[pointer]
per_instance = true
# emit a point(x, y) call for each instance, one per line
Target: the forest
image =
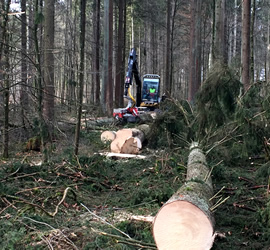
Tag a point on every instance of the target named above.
point(199, 174)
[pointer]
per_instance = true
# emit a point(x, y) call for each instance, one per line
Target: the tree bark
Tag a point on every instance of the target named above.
point(252, 41)
point(185, 221)
point(267, 63)
point(195, 50)
point(168, 49)
point(4, 60)
point(107, 96)
point(219, 37)
point(23, 90)
point(81, 75)
point(49, 62)
point(96, 68)
point(6, 98)
point(119, 76)
point(235, 29)
point(245, 55)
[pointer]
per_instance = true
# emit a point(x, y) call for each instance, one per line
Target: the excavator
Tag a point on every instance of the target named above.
point(147, 92)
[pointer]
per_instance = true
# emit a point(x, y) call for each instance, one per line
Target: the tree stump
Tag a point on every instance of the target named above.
point(185, 220)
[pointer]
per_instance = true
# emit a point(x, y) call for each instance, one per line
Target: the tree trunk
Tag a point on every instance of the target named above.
point(219, 37)
point(119, 77)
point(110, 63)
point(23, 90)
point(267, 66)
point(185, 221)
point(235, 29)
point(96, 69)
point(168, 49)
point(245, 55)
point(49, 63)
point(6, 97)
point(107, 96)
point(252, 42)
point(4, 60)
point(195, 49)
point(81, 75)
point(39, 83)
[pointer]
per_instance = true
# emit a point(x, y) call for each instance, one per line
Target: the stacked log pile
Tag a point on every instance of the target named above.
point(126, 141)
point(185, 220)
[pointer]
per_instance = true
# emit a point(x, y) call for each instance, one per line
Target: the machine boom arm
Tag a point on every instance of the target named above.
point(133, 70)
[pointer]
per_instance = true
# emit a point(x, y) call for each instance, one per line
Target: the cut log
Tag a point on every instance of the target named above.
point(128, 141)
point(108, 136)
point(185, 220)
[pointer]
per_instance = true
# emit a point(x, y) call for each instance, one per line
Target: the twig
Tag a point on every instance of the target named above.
point(244, 207)
point(245, 179)
point(35, 188)
point(62, 200)
point(17, 170)
point(78, 161)
point(268, 187)
point(223, 140)
point(6, 201)
point(48, 225)
point(210, 171)
point(40, 207)
point(47, 242)
point(218, 204)
point(127, 241)
point(3, 210)
point(28, 203)
point(104, 221)
point(251, 199)
point(135, 244)
point(258, 186)
point(216, 193)
point(25, 175)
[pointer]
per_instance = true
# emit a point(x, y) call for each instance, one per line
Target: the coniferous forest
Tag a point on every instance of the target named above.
point(72, 176)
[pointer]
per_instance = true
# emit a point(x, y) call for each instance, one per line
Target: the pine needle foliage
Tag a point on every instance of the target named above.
point(252, 115)
point(173, 125)
point(216, 100)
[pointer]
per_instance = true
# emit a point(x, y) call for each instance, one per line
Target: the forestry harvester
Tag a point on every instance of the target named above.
point(147, 93)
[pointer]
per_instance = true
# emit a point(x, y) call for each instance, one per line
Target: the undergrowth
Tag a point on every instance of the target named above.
point(89, 201)
point(30, 193)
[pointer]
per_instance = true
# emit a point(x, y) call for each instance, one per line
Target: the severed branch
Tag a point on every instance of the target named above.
point(62, 200)
point(104, 221)
point(244, 207)
point(32, 189)
point(245, 179)
point(40, 207)
point(48, 225)
point(128, 241)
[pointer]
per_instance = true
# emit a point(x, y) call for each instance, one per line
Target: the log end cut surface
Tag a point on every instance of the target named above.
point(107, 136)
point(182, 225)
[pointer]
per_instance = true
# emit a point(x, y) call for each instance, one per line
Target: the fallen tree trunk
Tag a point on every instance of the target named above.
point(98, 123)
point(185, 220)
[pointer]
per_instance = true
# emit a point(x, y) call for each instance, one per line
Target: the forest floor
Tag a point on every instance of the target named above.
point(95, 202)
